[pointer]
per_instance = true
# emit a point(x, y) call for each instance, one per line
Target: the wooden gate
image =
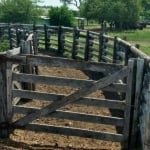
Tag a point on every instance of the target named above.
point(110, 82)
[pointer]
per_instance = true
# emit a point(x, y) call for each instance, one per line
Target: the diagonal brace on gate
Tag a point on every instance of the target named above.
point(73, 97)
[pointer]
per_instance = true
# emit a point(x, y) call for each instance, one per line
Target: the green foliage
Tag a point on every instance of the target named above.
point(76, 3)
point(122, 13)
point(140, 37)
point(4, 45)
point(61, 16)
point(21, 11)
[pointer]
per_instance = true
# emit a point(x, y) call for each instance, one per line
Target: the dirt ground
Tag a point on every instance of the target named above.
point(28, 140)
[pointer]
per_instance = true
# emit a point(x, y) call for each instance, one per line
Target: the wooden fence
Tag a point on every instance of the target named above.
point(89, 46)
point(86, 87)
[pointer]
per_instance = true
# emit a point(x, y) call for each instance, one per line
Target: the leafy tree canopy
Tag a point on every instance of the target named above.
point(61, 16)
point(21, 11)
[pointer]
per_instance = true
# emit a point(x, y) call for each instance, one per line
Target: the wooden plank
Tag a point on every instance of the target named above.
point(13, 52)
point(128, 103)
point(68, 63)
point(115, 104)
point(107, 59)
point(121, 54)
point(51, 80)
point(134, 50)
point(76, 116)
point(5, 98)
point(73, 97)
point(74, 132)
point(139, 78)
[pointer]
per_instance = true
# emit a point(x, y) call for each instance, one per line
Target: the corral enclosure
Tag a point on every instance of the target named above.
point(80, 97)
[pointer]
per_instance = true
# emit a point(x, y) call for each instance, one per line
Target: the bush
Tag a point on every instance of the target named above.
point(4, 45)
point(61, 16)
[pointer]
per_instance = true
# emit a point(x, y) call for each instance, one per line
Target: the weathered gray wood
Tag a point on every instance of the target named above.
point(115, 104)
point(74, 132)
point(134, 50)
point(128, 98)
point(62, 81)
point(121, 54)
point(13, 52)
point(107, 59)
point(145, 112)
point(139, 78)
point(76, 116)
point(30, 37)
point(5, 98)
point(81, 65)
point(147, 121)
point(73, 97)
point(26, 49)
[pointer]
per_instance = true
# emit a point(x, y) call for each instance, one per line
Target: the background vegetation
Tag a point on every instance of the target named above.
point(61, 16)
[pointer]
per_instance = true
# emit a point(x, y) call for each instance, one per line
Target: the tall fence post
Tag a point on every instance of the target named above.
point(128, 98)
point(46, 37)
point(86, 55)
point(26, 49)
point(136, 102)
point(101, 46)
point(60, 44)
point(5, 97)
point(145, 111)
point(115, 50)
point(147, 127)
point(10, 37)
point(75, 43)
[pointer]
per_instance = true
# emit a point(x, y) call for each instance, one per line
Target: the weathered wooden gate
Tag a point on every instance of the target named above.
point(113, 72)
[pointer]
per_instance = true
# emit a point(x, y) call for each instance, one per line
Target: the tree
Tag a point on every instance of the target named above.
point(76, 3)
point(122, 13)
point(61, 16)
point(21, 11)
point(146, 9)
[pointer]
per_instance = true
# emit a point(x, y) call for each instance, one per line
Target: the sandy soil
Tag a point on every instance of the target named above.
point(28, 140)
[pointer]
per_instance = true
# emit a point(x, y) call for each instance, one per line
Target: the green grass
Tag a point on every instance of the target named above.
point(141, 37)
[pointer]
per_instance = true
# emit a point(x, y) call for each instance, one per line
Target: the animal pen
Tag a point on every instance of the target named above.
point(113, 66)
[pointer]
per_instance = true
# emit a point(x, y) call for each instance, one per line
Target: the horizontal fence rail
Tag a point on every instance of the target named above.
point(88, 49)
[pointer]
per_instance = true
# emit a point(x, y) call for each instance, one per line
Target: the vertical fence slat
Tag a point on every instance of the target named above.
point(115, 50)
point(139, 78)
point(5, 97)
point(128, 97)
point(75, 43)
point(26, 49)
point(101, 46)
point(46, 37)
point(86, 54)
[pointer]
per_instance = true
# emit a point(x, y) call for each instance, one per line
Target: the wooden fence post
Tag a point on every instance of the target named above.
point(115, 50)
point(46, 37)
point(5, 97)
point(147, 128)
point(128, 98)
point(87, 50)
point(60, 44)
point(9, 36)
point(101, 46)
point(145, 111)
point(136, 102)
point(127, 55)
point(75, 43)
point(27, 49)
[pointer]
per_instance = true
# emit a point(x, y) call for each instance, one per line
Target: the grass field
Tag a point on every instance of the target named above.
point(141, 37)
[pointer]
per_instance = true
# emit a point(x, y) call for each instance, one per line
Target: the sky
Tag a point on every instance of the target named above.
point(53, 3)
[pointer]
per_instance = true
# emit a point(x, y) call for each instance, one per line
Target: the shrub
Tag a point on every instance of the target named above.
point(4, 45)
point(61, 16)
